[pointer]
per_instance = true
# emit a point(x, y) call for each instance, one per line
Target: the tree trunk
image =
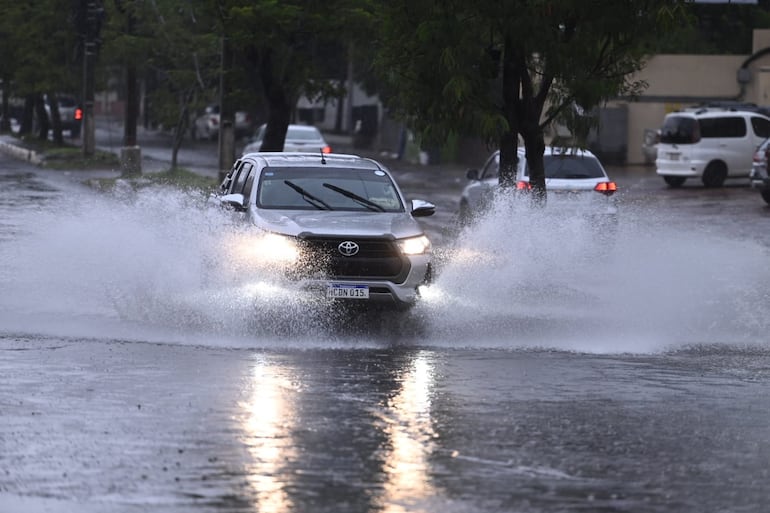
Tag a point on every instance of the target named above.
point(278, 110)
point(534, 144)
point(509, 142)
point(5, 118)
point(42, 117)
point(181, 125)
point(53, 106)
point(28, 115)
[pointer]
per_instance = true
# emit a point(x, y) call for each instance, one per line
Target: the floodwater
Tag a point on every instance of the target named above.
point(541, 372)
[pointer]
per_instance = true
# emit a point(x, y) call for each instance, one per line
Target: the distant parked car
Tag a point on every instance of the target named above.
point(712, 144)
point(305, 138)
point(70, 113)
point(760, 179)
point(206, 126)
point(575, 180)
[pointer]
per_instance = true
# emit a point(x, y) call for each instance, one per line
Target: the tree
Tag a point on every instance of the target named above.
point(287, 55)
point(186, 64)
point(41, 59)
point(509, 69)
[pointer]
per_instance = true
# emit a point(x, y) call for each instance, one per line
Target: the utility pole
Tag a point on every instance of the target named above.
point(94, 13)
point(226, 113)
point(131, 152)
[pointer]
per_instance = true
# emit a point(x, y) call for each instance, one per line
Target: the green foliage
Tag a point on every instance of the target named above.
point(442, 62)
point(177, 47)
point(39, 46)
point(715, 29)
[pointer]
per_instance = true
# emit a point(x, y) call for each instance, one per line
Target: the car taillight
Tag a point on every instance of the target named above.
point(214, 120)
point(521, 185)
point(326, 149)
point(606, 188)
point(78, 114)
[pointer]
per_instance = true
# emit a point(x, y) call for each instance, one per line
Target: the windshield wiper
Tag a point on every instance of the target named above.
point(355, 197)
point(316, 202)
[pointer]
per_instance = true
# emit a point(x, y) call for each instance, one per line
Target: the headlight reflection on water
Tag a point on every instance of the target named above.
point(270, 429)
point(266, 420)
point(411, 435)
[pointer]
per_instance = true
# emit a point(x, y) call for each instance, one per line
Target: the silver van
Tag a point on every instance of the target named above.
point(712, 144)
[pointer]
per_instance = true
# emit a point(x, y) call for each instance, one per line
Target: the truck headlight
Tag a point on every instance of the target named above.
point(268, 249)
point(414, 245)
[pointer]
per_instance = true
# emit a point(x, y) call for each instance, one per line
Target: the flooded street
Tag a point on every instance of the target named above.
point(540, 374)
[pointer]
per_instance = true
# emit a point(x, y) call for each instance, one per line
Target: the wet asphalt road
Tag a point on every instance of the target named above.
point(537, 381)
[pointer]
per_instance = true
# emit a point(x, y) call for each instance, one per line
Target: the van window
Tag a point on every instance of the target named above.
point(723, 127)
point(680, 130)
point(761, 126)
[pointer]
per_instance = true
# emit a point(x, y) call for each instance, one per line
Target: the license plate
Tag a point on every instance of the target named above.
point(345, 291)
point(673, 156)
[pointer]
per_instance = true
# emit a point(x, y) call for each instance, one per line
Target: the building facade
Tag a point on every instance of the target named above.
point(679, 81)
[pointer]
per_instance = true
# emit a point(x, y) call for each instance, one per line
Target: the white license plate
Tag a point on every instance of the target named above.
point(345, 291)
point(673, 156)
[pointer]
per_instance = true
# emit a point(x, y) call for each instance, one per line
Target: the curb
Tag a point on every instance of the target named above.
point(21, 153)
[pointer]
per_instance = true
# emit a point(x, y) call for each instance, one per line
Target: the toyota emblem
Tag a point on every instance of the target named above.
point(348, 248)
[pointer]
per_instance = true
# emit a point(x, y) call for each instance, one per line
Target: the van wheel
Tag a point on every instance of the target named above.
point(766, 196)
point(674, 181)
point(714, 175)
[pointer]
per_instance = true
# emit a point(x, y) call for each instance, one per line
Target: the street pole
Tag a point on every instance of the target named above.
point(93, 26)
point(131, 153)
point(226, 114)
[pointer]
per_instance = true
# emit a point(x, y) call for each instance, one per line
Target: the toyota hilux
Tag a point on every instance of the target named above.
point(332, 226)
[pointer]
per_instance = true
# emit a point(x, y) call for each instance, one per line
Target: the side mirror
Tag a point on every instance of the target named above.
point(422, 208)
point(472, 174)
point(236, 201)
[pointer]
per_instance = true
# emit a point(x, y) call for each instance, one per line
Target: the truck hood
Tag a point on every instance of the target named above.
point(332, 223)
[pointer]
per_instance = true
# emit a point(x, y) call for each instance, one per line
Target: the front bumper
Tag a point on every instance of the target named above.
point(381, 292)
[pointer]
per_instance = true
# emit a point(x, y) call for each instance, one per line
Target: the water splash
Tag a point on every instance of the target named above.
point(147, 266)
point(533, 278)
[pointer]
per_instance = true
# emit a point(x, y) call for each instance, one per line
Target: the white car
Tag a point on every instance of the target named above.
point(575, 179)
point(328, 226)
point(303, 138)
point(760, 178)
point(206, 126)
point(712, 144)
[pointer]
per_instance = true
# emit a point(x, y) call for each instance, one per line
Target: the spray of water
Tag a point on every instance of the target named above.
point(155, 265)
point(541, 279)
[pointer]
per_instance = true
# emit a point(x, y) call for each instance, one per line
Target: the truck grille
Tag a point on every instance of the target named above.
point(376, 259)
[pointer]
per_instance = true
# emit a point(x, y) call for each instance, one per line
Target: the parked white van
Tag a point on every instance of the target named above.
point(712, 144)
